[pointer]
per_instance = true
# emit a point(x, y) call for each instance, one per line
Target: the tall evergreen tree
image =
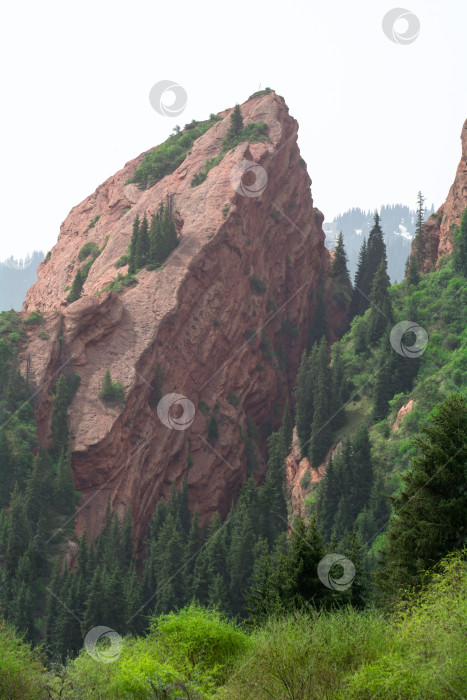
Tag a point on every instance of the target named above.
point(358, 303)
point(460, 246)
point(429, 515)
point(134, 247)
point(340, 274)
point(381, 312)
point(59, 431)
point(236, 124)
point(287, 426)
point(142, 243)
point(320, 426)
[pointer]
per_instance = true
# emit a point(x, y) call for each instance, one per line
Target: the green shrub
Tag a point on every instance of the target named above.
point(111, 393)
point(48, 256)
point(123, 260)
point(271, 305)
point(169, 155)
point(260, 93)
point(225, 210)
point(203, 407)
point(234, 400)
point(22, 674)
point(34, 319)
point(93, 222)
point(216, 323)
point(257, 286)
point(89, 249)
point(43, 335)
point(305, 480)
point(250, 334)
point(213, 430)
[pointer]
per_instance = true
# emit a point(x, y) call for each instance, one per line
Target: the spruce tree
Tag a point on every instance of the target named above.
point(460, 246)
point(320, 427)
point(358, 303)
point(76, 287)
point(18, 532)
point(59, 431)
point(65, 494)
point(381, 312)
point(236, 125)
point(287, 427)
point(429, 515)
point(134, 247)
point(340, 274)
point(319, 326)
point(142, 244)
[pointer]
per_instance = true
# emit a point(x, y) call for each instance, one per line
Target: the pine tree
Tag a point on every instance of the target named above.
point(65, 494)
point(358, 303)
point(362, 470)
point(429, 515)
point(381, 312)
point(18, 532)
point(340, 274)
point(460, 246)
point(304, 401)
point(376, 253)
point(106, 391)
point(236, 124)
point(412, 270)
point(320, 426)
point(134, 247)
point(59, 431)
point(319, 326)
point(142, 244)
point(287, 426)
point(339, 387)
point(327, 499)
point(76, 287)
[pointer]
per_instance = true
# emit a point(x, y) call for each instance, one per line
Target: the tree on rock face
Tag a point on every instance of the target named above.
point(429, 515)
point(236, 123)
point(134, 247)
point(460, 246)
point(59, 431)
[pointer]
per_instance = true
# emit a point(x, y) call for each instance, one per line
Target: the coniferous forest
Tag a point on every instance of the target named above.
point(359, 592)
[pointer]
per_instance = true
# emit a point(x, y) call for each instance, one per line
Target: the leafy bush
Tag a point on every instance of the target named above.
point(257, 286)
point(89, 249)
point(225, 210)
point(234, 400)
point(22, 675)
point(120, 282)
point(93, 222)
point(48, 256)
point(203, 407)
point(123, 260)
point(34, 319)
point(169, 155)
point(250, 334)
point(260, 93)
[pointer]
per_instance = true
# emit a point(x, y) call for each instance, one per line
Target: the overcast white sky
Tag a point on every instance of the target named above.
point(378, 120)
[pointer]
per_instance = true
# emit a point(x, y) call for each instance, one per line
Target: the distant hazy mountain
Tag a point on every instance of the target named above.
point(398, 224)
point(16, 276)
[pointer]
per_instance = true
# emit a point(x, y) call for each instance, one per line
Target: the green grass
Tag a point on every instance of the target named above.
point(170, 154)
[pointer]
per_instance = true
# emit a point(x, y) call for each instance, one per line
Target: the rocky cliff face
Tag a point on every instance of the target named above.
point(191, 318)
point(436, 238)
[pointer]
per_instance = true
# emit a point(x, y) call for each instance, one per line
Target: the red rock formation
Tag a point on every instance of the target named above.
point(190, 317)
point(436, 237)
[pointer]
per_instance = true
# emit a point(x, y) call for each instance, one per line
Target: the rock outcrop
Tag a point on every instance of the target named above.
point(193, 319)
point(436, 237)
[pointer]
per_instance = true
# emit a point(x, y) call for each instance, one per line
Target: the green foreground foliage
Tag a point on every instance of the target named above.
point(417, 651)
